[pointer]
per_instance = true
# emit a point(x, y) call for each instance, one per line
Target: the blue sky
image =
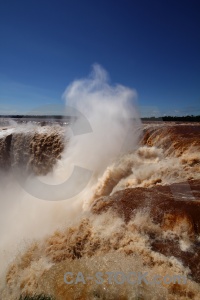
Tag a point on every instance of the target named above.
point(151, 46)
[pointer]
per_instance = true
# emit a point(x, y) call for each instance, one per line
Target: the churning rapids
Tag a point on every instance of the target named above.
point(140, 211)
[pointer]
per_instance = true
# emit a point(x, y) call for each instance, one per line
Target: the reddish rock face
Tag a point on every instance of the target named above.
point(160, 200)
point(173, 138)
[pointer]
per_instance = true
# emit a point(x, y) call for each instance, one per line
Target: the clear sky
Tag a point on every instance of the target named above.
point(151, 46)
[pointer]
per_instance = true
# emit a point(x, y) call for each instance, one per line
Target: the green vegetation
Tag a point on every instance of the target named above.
point(175, 119)
point(57, 117)
point(189, 118)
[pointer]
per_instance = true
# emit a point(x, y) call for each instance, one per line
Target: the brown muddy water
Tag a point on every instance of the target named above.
point(139, 213)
